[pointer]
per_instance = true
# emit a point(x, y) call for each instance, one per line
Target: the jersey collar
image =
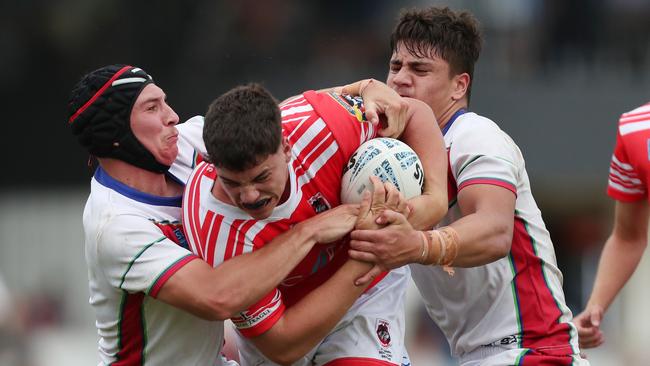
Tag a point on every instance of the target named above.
point(102, 177)
point(452, 119)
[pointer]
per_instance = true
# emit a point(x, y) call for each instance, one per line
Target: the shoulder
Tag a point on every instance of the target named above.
point(194, 122)
point(203, 174)
point(635, 120)
point(473, 130)
point(330, 104)
point(198, 184)
point(121, 233)
point(471, 124)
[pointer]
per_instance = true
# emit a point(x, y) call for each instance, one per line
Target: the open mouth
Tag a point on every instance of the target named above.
point(256, 205)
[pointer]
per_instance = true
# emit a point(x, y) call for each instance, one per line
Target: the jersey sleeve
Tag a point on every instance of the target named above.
point(260, 317)
point(345, 118)
point(483, 154)
point(136, 256)
point(191, 149)
point(624, 183)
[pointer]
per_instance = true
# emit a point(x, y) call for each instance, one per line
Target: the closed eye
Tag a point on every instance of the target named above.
point(229, 183)
point(262, 178)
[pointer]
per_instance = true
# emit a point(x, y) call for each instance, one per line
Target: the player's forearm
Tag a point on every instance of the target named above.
point(245, 279)
point(617, 263)
point(427, 209)
point(424, 137)
point(307, 322)
point(482, 239)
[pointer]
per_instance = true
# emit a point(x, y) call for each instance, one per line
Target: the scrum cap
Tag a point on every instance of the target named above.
point(99, 111)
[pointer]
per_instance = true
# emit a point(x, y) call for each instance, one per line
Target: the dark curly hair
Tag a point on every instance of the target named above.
point(242, 127)
point(453, 36)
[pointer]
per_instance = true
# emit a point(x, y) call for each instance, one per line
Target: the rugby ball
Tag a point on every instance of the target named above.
point(390, 160)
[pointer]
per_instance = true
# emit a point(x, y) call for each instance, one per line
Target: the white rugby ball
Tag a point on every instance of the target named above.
point(390, 160)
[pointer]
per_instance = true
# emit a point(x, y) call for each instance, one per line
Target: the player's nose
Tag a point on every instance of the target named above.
point(401, 78)
point(249, 194)
point(170, 116)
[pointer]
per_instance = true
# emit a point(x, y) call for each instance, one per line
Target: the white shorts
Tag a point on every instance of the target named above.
point(373, 328)
point(501, 356)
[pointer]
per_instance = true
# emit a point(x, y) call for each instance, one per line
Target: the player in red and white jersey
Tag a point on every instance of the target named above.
point(156, 303)
point(276, 169)
point(629, 173)
point(487, 274)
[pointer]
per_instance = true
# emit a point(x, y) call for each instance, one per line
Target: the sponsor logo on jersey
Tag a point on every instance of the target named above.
point(319, 203)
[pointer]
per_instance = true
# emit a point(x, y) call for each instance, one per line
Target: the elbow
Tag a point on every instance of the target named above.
point(502, 242)
point(280, 347)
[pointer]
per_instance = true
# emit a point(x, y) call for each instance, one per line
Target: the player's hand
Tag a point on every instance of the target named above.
point(384, 196)
point(383, 106)
point(333, 224)
point(588, 324)
point(392, 246)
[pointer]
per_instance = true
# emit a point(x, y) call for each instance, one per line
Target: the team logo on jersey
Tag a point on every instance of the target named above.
point(383, 332)
point(354, 105)
point(319, 203)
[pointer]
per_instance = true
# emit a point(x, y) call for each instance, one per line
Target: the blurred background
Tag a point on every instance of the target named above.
point(554, 74)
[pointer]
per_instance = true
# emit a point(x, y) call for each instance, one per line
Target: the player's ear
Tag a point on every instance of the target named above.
point(286, 148)
point(461, 84)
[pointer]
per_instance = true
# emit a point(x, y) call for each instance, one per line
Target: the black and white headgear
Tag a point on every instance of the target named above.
point(99, 111)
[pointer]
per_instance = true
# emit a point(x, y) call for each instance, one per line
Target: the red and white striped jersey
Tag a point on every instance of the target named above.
point(516, 301)
point(323, 129)
point(629, 170)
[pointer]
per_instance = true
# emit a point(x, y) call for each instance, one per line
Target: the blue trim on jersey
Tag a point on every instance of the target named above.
point(452, 119)
point(106, 180)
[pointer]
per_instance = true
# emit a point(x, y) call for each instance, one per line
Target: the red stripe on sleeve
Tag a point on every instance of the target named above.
point(490, 181)
point(162, 279)
point(624, 197)
point(358, 361)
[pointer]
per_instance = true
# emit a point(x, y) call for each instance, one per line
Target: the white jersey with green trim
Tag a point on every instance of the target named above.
point(134, 244)
point(514, 302)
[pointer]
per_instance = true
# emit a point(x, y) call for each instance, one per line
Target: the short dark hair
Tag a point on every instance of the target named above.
point(453, 36)
point(242, 127)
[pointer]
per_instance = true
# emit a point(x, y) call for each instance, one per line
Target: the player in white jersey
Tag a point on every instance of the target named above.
point(502, 302)
point(629, 174)
point(155, 302)
point(272, 168)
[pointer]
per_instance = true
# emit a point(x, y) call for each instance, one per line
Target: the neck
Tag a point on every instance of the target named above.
point(140, 179)
point(453, 107)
